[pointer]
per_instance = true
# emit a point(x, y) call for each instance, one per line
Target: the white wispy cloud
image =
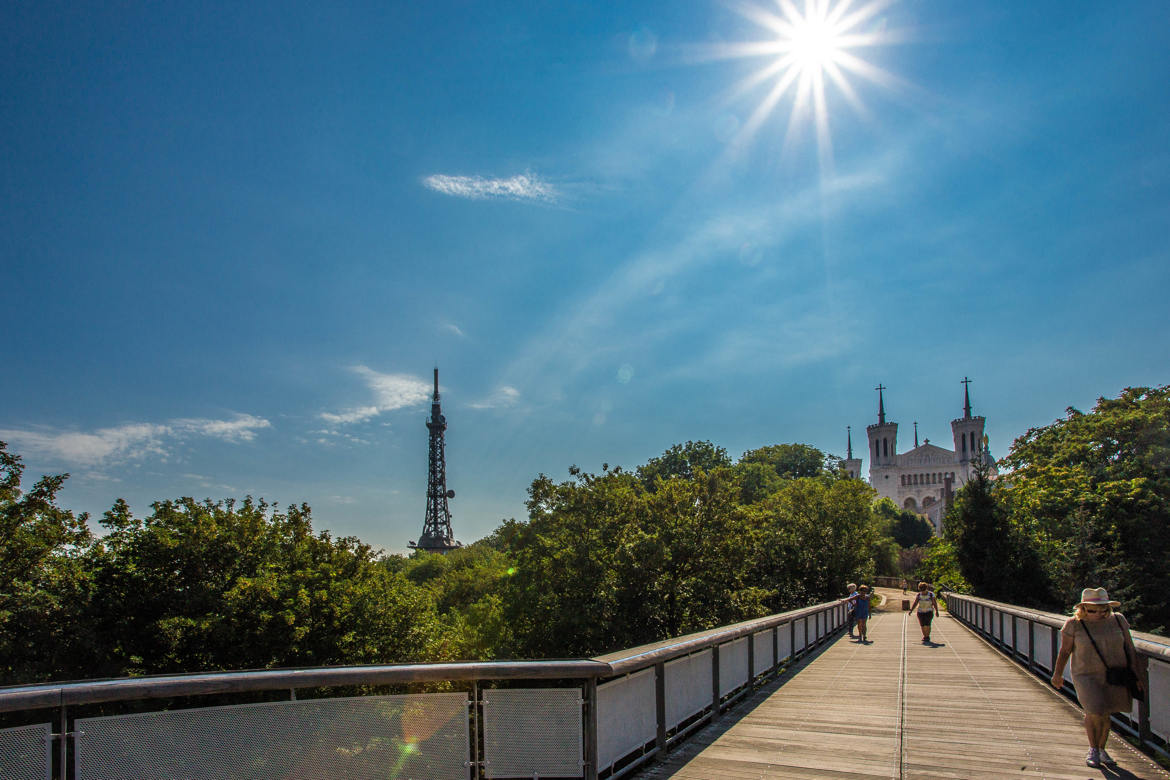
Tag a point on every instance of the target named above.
point(451, 327)
point(391, 391)
point(132, 441)
point(504, 397)
point(242, 428)
point(524, 186)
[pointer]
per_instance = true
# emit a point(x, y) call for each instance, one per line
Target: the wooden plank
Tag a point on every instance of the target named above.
point(897, 708)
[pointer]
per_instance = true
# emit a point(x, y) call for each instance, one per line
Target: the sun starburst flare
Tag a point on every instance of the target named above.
point(804, 51)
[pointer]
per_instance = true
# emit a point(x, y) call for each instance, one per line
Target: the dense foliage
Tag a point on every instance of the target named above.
point(689, 541)
point(1084, 502)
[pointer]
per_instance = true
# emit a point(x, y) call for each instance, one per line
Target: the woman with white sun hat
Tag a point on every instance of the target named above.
point(1097, 639)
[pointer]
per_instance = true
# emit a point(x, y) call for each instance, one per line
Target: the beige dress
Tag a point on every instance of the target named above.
point(1088, 672)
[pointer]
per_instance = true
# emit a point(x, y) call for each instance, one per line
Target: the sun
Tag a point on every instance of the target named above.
point(806, 51)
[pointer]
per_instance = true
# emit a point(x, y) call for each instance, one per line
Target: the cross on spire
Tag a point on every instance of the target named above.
point(881, 404)
point(966, 398)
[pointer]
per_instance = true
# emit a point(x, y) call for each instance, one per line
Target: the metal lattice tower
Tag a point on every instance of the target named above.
point(437, 535)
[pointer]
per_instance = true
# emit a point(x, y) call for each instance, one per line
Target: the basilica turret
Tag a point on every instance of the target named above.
point(851, 465)
point(968, 430)
point(883, 437)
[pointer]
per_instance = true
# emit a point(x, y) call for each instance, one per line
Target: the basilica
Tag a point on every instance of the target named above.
point(923, 479)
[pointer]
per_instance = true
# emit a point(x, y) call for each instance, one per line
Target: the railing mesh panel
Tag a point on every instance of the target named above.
point(1043, 654)
point(733, 665)
point(421, 736)
point(1159, 698)
point(532, 732)
point(785, 641)
point(26, 752)
point(688, 687)
point(1021, 636)
point(761, 652)
point(626, 716)
point(798, 627)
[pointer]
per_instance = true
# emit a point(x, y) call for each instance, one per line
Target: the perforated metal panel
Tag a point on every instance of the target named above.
point(626, 716)
point(785, 640)
point(1021, 636)
point(423, 737)
point(761, 652)
point(533, 733)
point(798, 627)
point(1159, 698)
point(688, 687)
point(1043, 654)
point(26, 752)
point(733, 665)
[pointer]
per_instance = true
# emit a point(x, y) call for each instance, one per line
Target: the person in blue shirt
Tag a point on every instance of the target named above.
point(861, 611)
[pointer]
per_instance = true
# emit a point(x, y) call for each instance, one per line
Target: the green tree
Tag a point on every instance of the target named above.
point(1094, 491)
point(43, 583)
point(791, 461)
point(683, 460)
point(220, 585)
point(906, 528)
point(996, 555)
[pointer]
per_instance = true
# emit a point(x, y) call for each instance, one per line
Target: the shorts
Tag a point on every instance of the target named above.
point(924, 618)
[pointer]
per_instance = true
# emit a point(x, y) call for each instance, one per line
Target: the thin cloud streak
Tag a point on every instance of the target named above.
point(391, 391)
point(503, 398)
point(132, 441)
point(524, 186)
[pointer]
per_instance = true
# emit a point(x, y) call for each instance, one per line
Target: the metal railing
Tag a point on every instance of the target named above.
point(585, 718)
point(1032, 639)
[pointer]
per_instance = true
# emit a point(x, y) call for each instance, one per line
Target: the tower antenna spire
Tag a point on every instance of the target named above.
point(915, 433)
point(437, 535)
point(849, 446)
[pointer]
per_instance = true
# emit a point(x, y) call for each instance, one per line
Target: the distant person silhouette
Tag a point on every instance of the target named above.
point(861, 611)
point(927, 605)
point(850, 612)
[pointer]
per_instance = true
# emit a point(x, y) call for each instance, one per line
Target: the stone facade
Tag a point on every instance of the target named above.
point(923, 479)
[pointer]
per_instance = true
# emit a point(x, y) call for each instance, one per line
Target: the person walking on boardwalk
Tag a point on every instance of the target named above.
point(861, 610)
point(1101, 647)
point(927, 605)
point(852, 588)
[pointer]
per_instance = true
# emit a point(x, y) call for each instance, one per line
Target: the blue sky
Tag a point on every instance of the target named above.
point(235, 239)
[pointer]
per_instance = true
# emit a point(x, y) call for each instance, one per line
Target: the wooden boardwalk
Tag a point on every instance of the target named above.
point(899, 709)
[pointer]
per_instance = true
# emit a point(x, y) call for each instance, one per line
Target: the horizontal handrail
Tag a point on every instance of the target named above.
point(1153, 645)
point(636, 658)
point(47, 695)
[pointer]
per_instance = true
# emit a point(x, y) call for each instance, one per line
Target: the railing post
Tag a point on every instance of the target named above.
point(715, 708)
point(1031, 645)
point(590, 724)
point(476, 729)
point(775, 648)
point(63, 744)
point(1144, 708)
point(660, 706)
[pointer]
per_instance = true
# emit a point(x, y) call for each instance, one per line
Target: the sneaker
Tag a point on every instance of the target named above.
point(1106, 758)
point(1094, 758)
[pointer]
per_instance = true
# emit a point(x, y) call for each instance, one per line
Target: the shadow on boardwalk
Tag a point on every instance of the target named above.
point(898, 708)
